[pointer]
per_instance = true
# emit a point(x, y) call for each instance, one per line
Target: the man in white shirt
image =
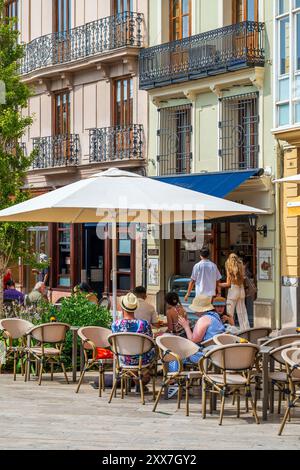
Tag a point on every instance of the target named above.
point(145, 311)
point(205, 277)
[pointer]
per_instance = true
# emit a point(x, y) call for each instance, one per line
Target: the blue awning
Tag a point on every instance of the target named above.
point(214, 184)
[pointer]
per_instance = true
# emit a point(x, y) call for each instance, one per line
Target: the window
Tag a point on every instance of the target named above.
point(64, 255)
point(180, 19)
point(239, 132)
point(122, 6)
point(245, 10)
point(123, 102)
point(288, 63)
point(62, 113)
point(63, 20)
point(11, 11)
point(174, 140)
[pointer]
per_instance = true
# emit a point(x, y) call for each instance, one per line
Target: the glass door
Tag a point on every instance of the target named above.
point(246, 10)
point(93, 259)
point(123, 118)
point(62, 26)
point(61, 140)
point(180, 28)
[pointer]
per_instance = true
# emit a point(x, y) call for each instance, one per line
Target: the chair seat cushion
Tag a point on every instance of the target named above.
point(102, 353)
point(231, 379)
point(47, 351)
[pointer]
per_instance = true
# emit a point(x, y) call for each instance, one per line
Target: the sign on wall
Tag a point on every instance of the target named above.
point(265, 264)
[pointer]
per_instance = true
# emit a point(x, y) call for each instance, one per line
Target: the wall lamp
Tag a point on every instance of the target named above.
point(263, 230)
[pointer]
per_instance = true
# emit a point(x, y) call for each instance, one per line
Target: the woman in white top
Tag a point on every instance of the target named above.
point(236, 294)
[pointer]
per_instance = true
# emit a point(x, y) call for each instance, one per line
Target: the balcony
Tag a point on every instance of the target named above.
point(214, 52)
point(56, 151)
point(117, 144)
point(97, 37)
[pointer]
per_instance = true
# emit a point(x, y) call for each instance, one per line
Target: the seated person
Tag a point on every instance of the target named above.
point(38, 293)
point(145, 311)
point(85, 289)
point(129, 324)
point(219, 304)
point(174, 311)
point(11, 294)
point(208, 325)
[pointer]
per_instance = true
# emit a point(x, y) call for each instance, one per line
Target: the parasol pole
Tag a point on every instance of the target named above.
point(114, 265)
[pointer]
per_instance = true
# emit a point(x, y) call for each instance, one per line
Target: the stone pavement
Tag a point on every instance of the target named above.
point(54, 417)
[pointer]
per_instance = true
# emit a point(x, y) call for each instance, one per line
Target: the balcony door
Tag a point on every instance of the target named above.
point(123, 117)
point(62, 26)
point(246, 10)
point(122, 29)
point(180, 28)
point(61, 127)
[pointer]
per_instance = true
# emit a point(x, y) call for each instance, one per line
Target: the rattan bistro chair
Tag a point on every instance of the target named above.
point(279, 378)
point(132, 345)
point(223, 339)
point(50, 339)
point(235, 362)
point(291, 358)
point(175, 348)
point(14, 330)
point(254, 334)
point(93, 337)
point(281, 341)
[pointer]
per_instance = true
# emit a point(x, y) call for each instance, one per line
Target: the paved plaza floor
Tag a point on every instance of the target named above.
point(54, 417)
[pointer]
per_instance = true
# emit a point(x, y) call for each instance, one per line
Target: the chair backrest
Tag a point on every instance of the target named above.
point(254, 334)
point(288, 331)
point(291, 357)
point(234, 356)
point(276, 353)
point(223, 339)
point(130, 344)
point(96, 334)
point(281, 341)
point(16, 327)
point(181, 346)
point(50, 332)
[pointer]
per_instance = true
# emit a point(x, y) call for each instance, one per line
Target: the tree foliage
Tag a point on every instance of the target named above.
point(14, 121)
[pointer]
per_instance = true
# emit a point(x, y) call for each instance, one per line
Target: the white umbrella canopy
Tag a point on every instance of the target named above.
point(289, 179)
point(116, 196)
point(95, 198)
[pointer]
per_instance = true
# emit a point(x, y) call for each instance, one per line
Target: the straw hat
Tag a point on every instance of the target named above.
point(201, 304)
point(129, 302)
point(219, 302)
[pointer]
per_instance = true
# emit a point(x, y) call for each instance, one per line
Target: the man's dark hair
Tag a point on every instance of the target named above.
point(84, 287)
point(172, 298)
point(140, 290)
point(10, 283)
point(204, 252)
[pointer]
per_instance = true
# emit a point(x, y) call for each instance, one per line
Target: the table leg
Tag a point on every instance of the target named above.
point(74, 354)
point(265, 385)
point(81, 358)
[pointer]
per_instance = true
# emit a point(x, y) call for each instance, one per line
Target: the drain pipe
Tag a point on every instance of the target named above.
point(278, 221)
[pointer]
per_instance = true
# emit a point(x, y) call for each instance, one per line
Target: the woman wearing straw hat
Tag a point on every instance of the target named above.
point(208, 325)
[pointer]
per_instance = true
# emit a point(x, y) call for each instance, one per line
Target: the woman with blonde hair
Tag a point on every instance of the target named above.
point(236, 294)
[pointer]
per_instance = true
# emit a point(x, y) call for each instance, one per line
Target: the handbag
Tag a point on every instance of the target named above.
point(250, 287)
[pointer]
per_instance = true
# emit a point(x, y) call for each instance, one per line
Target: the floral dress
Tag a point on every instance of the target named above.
point(134, 326)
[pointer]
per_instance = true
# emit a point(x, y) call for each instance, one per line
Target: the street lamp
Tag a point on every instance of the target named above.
point(263, 230)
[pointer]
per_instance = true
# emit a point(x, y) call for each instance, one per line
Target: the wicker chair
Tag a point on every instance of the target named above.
point(175, 348)
point(46, 335)
point(291, 358)
point(223, 339)
point(281, 341)
point(132, 345)
point(235, 361)
point(15, 329)
point(254, 334)
point(93, 337)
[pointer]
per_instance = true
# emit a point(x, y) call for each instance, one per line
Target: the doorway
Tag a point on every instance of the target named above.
point(93, 259)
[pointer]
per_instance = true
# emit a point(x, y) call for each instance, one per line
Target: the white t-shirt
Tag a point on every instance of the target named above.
point(206, 274)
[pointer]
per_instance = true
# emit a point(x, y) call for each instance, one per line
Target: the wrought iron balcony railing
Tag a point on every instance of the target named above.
point(56, 151)
point(103, 35)
point(120, 143)
point(218, 51)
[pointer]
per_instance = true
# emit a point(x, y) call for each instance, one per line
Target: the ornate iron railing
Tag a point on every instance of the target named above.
point(109, 144)
point(56, 151)
point(103, 35)
point(213, 52)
